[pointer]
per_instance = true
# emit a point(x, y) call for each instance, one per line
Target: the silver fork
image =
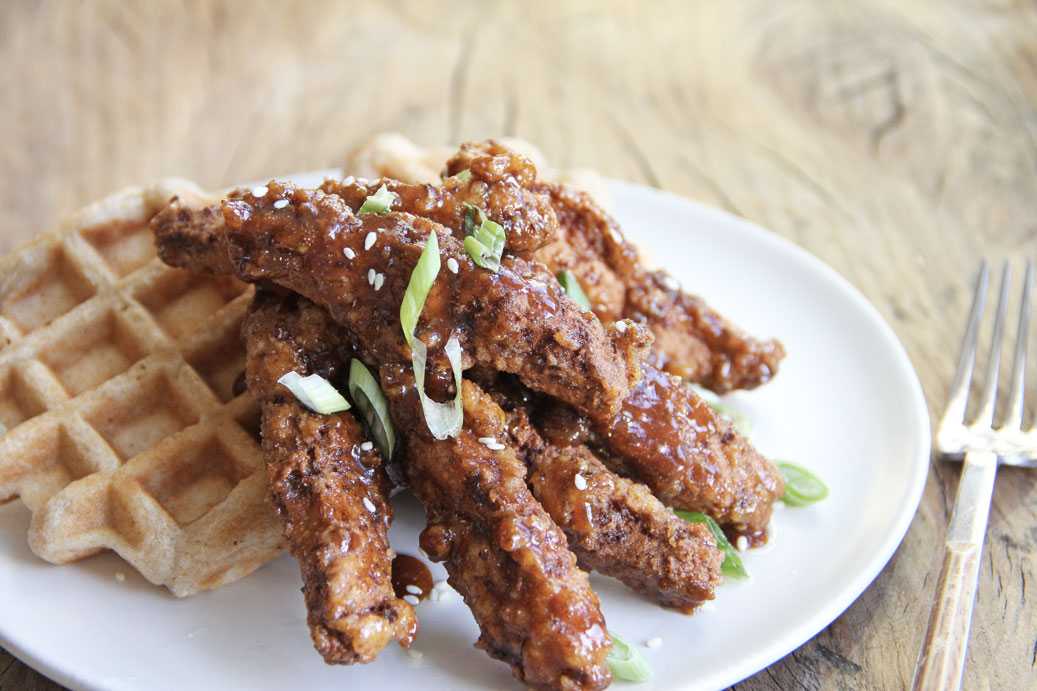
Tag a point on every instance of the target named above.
point(983, 447)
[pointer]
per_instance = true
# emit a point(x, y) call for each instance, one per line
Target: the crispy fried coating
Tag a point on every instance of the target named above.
point(691, 339)
point(669, 438)
point(614, 525)
point(516, 320)
point(330, 492)
point(499, 181)
point(510, 562)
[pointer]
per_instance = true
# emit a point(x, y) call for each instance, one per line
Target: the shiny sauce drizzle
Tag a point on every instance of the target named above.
point(409, 574)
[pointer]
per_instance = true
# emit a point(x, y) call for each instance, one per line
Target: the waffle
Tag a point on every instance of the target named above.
point(121, 429)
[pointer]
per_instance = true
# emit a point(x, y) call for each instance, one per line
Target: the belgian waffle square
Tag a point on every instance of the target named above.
point(120, 427)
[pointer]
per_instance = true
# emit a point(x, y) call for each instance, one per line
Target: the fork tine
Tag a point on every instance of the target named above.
point(988, 401)
point(1014, 418)
point(963, 376)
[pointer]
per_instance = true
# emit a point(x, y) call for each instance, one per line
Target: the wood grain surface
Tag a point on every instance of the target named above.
point(895, 140)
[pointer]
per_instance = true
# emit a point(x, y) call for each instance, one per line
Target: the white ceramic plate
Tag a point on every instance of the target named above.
point(846, 404)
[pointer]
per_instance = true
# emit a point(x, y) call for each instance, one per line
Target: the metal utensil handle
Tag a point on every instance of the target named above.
point(942, 659)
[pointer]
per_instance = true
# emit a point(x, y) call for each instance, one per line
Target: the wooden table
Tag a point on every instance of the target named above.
point(896, 141)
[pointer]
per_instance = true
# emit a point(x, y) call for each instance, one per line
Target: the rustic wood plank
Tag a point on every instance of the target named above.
point(896, 141)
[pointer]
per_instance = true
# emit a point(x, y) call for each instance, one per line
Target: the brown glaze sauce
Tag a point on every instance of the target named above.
point(410, 571)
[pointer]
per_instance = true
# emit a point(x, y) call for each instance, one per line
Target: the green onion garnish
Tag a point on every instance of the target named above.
point(732, 565)
point(421, 279)
point(740, 421)
point(626, 662)
point(378, 203)
point(464, 176)
point(485, 242)
point(572, 288)
point(802, 487)
point(443, 419)
point(368, 397)
point(315, 392)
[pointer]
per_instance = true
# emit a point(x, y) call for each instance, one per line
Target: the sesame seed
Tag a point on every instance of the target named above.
point(259, 192)
point(580, 482)
point(350, 254)
point(496, 446)
point(379, 281)
point(120, 576)
point(411, 599)
point(664, 449)
point(367, 446)
point(452, 265)
point(369, 241)
point(281, 203)
point(486, 441)
point(413, 589)
point(742, 543)
point(615, 235)
point(369, 505)
point(654, 642)
point(621, 327)
point(371, 273)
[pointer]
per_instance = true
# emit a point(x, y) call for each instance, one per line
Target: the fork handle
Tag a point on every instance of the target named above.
point(942, 660)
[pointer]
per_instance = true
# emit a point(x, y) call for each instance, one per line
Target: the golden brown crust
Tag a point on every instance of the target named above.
point(328, 486)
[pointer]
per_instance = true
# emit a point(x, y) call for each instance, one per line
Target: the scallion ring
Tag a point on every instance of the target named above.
point(626, 662)
point(369, 399)
point(378, 203)
point(315, 392)
point(802, 487)
point(421, 280)
point(483, 242)
point(571, 284)
point(732, 565)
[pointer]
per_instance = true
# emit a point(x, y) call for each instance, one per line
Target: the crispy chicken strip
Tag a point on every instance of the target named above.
point(614, 526)
point(534, 606)
point(498, 181)
point(691, 339)
point(516, 320)
point(669, 438)
point(330, 492)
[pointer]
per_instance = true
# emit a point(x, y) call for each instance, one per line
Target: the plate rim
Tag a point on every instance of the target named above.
point(763, 657)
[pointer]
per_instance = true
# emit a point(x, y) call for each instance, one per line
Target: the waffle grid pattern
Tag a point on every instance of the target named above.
point(120, 426)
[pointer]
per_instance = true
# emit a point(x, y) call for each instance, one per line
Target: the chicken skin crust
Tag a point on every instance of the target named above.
point(327, 484)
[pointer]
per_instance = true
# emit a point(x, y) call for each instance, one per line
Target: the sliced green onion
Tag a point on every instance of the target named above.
point(368, 397)
point(315, 392)
point(802, 487)
point(464, 176)
point(485, 243)
point(626, 662)
point(732, 565)
point(572, 288)
point(378, 203)
point(421, 280)
point(739, 420)
point(443, 419)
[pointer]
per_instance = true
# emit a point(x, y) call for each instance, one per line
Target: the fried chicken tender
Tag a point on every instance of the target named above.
point(498, 181)
point(330, 492)
point(614, 526)
point(669, 438)
point(691, 339)
point(516, 320)
point(534, 606)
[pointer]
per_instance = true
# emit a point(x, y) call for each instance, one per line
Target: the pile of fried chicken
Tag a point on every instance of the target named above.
point(580, 433)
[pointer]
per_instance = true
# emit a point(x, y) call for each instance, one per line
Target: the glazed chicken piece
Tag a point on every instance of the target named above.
point(516, 320)
point(327, 484)
point(691, 340)
point(614, 526)
point(498, 181)
point(670, 439)
point(534, 606)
